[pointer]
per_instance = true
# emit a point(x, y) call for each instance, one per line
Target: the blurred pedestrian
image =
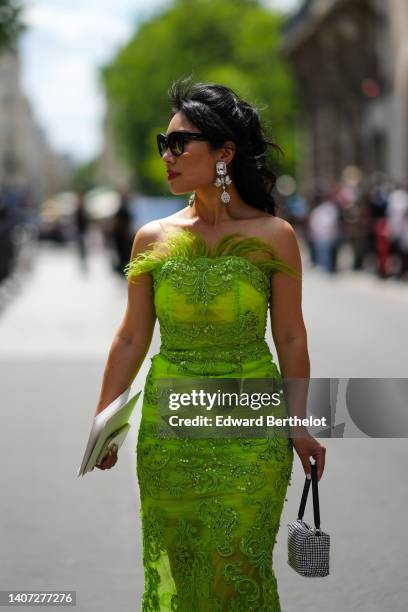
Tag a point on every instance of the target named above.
point(296, 209)
point(81, 225)
point(403, 246)
point(6, 243)
point(122, 233)
point(382, 246)
point(10, 215)
point(360, 228)
point(397, 206)
point(324, 233)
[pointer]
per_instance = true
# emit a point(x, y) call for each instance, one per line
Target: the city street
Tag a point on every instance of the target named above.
point(60, 532)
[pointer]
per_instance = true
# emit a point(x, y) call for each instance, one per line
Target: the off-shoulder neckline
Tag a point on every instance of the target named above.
point(211, 250)
point(184, 243)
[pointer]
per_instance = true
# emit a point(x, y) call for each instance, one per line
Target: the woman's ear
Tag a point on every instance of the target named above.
point(227, 152)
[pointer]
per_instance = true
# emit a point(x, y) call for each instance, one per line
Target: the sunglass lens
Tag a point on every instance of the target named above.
point(161, 144)
point(176, 143)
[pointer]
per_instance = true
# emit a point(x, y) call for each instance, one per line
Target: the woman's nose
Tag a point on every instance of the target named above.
point(168, 155)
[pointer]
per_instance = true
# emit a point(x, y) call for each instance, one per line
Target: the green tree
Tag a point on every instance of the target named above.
point(234, 42)
point(10, 23)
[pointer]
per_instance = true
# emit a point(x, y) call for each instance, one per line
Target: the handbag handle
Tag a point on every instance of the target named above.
point(316, 510)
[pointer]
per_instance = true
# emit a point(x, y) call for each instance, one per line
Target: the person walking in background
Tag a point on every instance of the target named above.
point(121, 233)
point(7, 220)
point(360, 229)
point(324, 232)
point(296, 210)
point(397, 207)
point(403, 246)
point(81, 225)
point(379, 201)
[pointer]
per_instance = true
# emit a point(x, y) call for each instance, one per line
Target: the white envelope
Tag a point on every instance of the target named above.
point(108, 427)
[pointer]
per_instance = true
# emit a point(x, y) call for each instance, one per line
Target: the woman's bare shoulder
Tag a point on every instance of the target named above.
point(272, 229)
point(277, 228)
point(282, 237)
point(155, 230)
point(145, 235)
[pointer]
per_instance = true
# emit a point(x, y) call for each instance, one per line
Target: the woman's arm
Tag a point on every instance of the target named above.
point(133, 337)
point(290, 338)
point(288, 328)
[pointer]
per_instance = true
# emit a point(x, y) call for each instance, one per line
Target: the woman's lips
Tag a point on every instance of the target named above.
point(172, 175)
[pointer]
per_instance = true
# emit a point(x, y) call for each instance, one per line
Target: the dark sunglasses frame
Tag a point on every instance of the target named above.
point(175, 141)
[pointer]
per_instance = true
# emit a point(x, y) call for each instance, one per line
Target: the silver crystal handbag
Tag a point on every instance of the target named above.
point(308, 547)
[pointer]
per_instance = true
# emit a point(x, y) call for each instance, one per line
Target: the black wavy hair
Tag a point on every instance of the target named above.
point(219, 113)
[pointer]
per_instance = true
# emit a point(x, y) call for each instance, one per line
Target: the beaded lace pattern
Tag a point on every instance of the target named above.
point(210, 508)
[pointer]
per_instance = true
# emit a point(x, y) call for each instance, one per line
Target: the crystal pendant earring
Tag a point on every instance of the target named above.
point(191, 199)
point(222, 180)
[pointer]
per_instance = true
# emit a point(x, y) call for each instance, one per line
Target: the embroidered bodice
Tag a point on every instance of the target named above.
point(210, 304)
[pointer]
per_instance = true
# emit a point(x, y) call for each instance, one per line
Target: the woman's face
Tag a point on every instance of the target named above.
point(195, 168)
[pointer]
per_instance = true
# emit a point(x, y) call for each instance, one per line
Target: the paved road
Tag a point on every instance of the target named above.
point(60, 532)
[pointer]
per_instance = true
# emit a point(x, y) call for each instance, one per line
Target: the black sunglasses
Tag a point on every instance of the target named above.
point(175, 141)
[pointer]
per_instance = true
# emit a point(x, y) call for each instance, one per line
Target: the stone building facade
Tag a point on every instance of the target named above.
point(26, 160)
point(110, 167)
point(350, 58)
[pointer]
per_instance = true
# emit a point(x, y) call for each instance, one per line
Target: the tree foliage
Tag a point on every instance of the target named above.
point(10, 23)
point(233, 42)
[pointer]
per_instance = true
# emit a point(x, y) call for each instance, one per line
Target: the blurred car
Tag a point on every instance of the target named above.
point(56, 217)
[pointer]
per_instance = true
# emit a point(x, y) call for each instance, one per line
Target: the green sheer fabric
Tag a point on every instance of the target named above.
point(210, 508)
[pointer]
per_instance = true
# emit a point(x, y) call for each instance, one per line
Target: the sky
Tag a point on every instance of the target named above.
point(66, 42)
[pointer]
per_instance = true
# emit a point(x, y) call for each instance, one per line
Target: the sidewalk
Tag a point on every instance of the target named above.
point(59, 531)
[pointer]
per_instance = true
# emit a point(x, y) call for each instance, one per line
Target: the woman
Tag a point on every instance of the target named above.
point(210, 508)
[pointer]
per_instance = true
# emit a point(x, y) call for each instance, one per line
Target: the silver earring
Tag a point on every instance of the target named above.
point(222, 180)
point(191, 199)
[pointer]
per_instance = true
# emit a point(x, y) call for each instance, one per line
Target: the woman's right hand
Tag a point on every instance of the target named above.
point(110, 458)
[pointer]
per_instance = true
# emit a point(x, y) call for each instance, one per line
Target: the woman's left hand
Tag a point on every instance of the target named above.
point(307, 446)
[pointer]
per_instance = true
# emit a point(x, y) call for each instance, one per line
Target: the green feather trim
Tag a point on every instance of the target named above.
point(185, 243)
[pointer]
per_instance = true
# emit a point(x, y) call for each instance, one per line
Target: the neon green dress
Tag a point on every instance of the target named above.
point(210, 508)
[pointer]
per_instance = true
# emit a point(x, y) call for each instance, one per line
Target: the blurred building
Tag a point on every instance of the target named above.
point(26, 160)
point(351, 61)
point(110, 167)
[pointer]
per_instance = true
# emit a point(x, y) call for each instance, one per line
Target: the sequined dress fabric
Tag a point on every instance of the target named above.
point(210, 508)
